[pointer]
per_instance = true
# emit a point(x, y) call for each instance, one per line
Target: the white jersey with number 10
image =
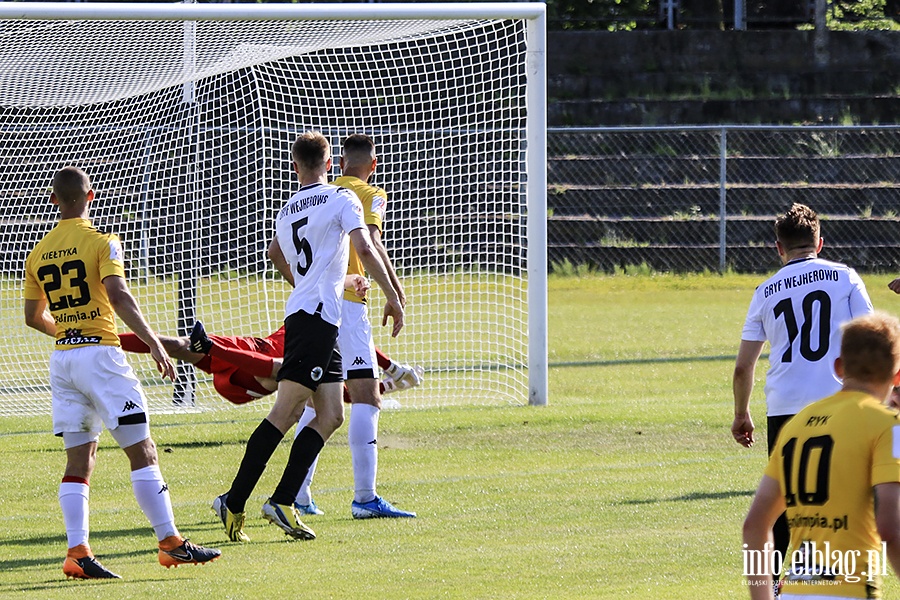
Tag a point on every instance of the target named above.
point(799, 311)
point(312, 230)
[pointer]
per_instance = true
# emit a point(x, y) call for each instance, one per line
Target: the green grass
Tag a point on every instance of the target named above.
point(627, 485)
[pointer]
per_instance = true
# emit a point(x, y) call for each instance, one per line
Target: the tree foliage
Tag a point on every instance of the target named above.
point(861, 15)
point(618, 15)
point(613, 15)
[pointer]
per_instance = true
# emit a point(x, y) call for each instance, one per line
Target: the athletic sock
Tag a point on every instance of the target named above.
point(304, 496)
point(260, 447)
point(74, 496)
point(304, 450)
point(152, 495)
point(132, 343)
point(258, 365)
point(362, 435)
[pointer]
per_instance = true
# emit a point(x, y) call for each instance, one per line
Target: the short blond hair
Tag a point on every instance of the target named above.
point(870, 348)
point(311, 151)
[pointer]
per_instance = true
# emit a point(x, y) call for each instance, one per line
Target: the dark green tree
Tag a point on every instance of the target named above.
point(613, 15)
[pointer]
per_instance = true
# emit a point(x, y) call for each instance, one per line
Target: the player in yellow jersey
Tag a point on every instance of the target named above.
point(358, 164)
point(835, 469)
point(74, 288)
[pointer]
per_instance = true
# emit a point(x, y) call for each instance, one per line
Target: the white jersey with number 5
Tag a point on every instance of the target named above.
point(312, 232)
point(799, 311)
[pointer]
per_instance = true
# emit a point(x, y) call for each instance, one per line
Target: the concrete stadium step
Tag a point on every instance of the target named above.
point(656, 170)
point(742, 231)
point(810, 109)
point(750, 141)
point(636, 85)
point(690, 201)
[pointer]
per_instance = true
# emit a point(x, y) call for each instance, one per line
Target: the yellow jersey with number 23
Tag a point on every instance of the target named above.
point(67, 267)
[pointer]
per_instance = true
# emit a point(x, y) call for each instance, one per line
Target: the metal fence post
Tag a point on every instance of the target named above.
point(723, 152)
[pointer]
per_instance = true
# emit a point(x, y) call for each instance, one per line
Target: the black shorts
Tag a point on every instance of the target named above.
point(311, 356)
point(773, 426)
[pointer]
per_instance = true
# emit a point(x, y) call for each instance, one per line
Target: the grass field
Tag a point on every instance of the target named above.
point(627, 485)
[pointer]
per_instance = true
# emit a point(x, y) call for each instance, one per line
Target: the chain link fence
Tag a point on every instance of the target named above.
point(705, 198)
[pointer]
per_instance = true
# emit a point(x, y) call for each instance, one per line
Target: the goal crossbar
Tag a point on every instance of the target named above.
point(135, 11)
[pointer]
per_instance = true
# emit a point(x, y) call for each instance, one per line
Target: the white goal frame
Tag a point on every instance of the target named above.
point(533, 13)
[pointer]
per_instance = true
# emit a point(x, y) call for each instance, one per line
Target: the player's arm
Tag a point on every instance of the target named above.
point(767, 504)
point(375, 268)
point(742, 387)
point(38, 317)
point(375, 234)
point(127, 309)
point(887, 520)
point(280, 262)
point(860, 303)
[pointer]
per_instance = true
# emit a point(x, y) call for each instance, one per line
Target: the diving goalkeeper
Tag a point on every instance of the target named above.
point(244, 367)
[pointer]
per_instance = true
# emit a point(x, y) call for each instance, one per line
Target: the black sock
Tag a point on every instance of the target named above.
point(260, 447)
point(305, 449)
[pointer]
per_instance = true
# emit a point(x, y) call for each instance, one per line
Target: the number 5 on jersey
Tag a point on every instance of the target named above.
point(301, 244)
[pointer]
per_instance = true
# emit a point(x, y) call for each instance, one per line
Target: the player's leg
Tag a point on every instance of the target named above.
point(358, 349)
point(309, 350)
point(307, 445)
point(239, 352)
point(77, 421)
point(74, 500)
point(304, 502)
point(152, 495)
point(230, 506)
point(780, 532)
point(123, 408)
point(176, 347)
point(310, 440)
point(362, 436)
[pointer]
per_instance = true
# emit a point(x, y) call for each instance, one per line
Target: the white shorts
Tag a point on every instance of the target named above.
point(355, 342)
point(92, 387)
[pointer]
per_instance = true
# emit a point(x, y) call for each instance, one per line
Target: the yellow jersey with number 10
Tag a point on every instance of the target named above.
point(374, 202)
point(827, 459)
point(67, 267)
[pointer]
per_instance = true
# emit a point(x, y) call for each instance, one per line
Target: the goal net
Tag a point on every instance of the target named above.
point(185, 128)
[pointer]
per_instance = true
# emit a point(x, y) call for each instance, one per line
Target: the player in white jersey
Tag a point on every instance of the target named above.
point(799, 311)
point(310, 250)
point(358, 162)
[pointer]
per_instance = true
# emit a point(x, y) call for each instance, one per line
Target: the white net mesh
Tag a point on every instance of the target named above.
point(185, 130)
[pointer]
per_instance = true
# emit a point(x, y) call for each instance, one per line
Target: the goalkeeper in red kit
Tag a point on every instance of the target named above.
point(244, 367)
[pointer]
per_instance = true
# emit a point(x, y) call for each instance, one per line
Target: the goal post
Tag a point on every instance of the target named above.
point(183, 116)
